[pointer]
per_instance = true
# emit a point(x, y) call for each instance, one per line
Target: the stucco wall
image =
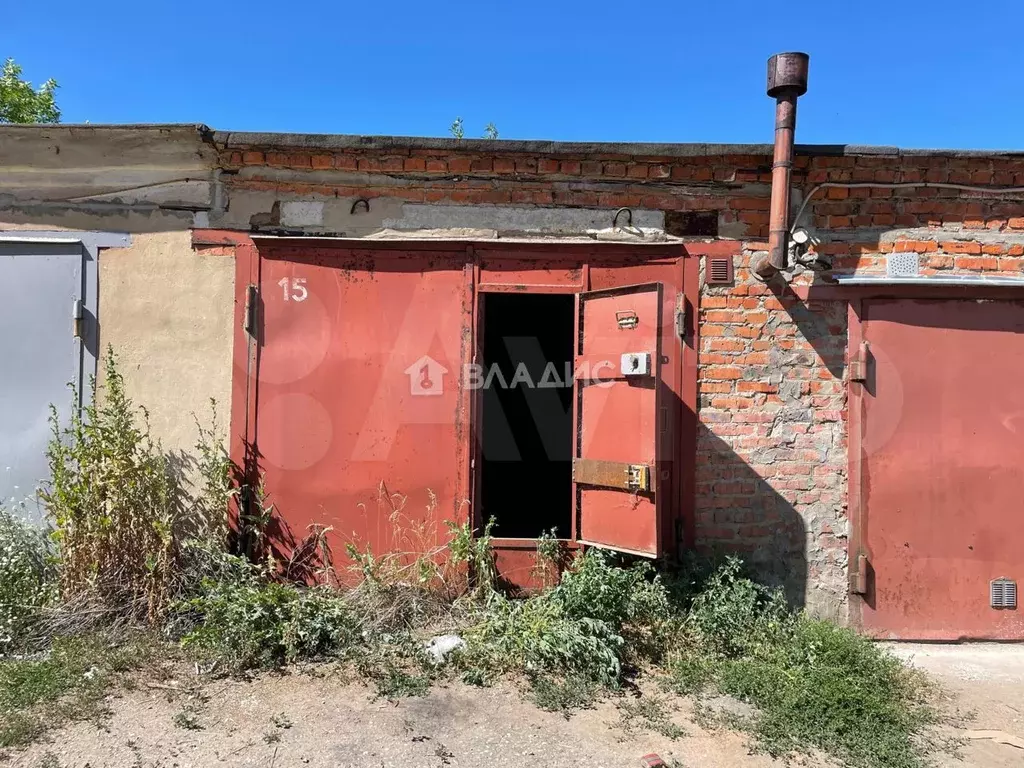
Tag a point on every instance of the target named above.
point(167, 311)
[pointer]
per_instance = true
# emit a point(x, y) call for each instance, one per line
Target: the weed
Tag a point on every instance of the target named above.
point(829, 689)
point(281, 721)
point(188, 718)
point(26, 580)
point(251, 621)
point(271, 737)
point(68, 683)
point(815, 685)
point(113, 502)
point(473, 549)
point(49, 760)
point(550, 559)
point(564, 695)
point(649, 712)
point(396, 666)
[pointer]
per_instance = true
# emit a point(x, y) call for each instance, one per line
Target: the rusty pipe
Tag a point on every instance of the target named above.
point(787, 81)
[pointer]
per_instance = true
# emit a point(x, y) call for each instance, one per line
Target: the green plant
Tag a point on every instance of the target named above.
point(216, 491)
point(187, 718)
point(26, 579)
point(114, 504)
point(456, 129)
point(67, 684)
point(473, 549)
point(650, 712)
point(490, 131)
point(21, 103)
point(825, 687)
point(550, 559)
point(247, 620)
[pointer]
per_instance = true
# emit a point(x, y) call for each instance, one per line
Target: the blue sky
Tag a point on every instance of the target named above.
point(903, 72)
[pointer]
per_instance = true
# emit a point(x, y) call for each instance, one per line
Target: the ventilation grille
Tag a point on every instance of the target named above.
point(720, 270)
point(1002, 593)
point(903, 265)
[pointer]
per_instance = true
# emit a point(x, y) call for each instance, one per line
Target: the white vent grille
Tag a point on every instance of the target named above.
point(1002, 593)
point(903, 265)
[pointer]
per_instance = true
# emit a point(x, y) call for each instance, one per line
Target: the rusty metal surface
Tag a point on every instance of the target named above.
point(608, 474)
point(787, 80)
point(322, 405)
point(788, 71)
point(361, 422)
point(938, 489)
point(618, 419)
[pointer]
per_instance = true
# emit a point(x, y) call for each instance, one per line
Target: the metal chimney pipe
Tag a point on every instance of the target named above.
point(787, 80)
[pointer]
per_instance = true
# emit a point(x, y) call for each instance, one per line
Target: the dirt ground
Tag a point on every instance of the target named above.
point(988, 680)
point(299, 719)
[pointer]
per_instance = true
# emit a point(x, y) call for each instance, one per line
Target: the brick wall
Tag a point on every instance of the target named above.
point(772, 447)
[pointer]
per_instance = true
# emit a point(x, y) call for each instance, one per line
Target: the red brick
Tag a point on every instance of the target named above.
point(614, 169)
point(547, 165)
point(750, 203)
point(526, 165)
point(957, 246)
point(322, 161)
point(277, 158)
point(730, 403)
point(482, 164)
point(253, 158)
point(992, 250)
point(724, 316)
point(504, 165)
point(569, 167)
point(590, 168)
point(345, 162)
point(415, 164)
point(756, 386)
point(436, 165)
point(1016, 250)
point(1015, 223)
point(658, 172)
point(977, 262)
point(726, 345)
point(235, 159)
point(369, 164)
point(719, 372)
point(460, 164)
point(636, 171)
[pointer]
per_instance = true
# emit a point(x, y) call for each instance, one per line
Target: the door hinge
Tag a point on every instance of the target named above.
point(859, 578)
point(859, 364)
point(77, 319)
point(252, 296)
point(681, 322)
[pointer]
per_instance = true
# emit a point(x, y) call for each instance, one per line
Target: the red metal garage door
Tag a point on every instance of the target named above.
point(937, 497)
point(360, 414)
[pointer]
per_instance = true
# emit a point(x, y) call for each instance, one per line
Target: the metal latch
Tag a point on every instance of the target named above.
point(859, 364)
point(77, 319)
point(627, 319)
point(251, 299)
point(638, 477)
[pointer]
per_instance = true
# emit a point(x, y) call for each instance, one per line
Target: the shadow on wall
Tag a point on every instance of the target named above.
point(739, 512)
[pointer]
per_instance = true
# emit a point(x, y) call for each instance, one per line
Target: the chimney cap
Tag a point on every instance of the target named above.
point(788, 72)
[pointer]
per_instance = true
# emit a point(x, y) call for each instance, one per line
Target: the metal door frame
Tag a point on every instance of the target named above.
point(90, 243)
